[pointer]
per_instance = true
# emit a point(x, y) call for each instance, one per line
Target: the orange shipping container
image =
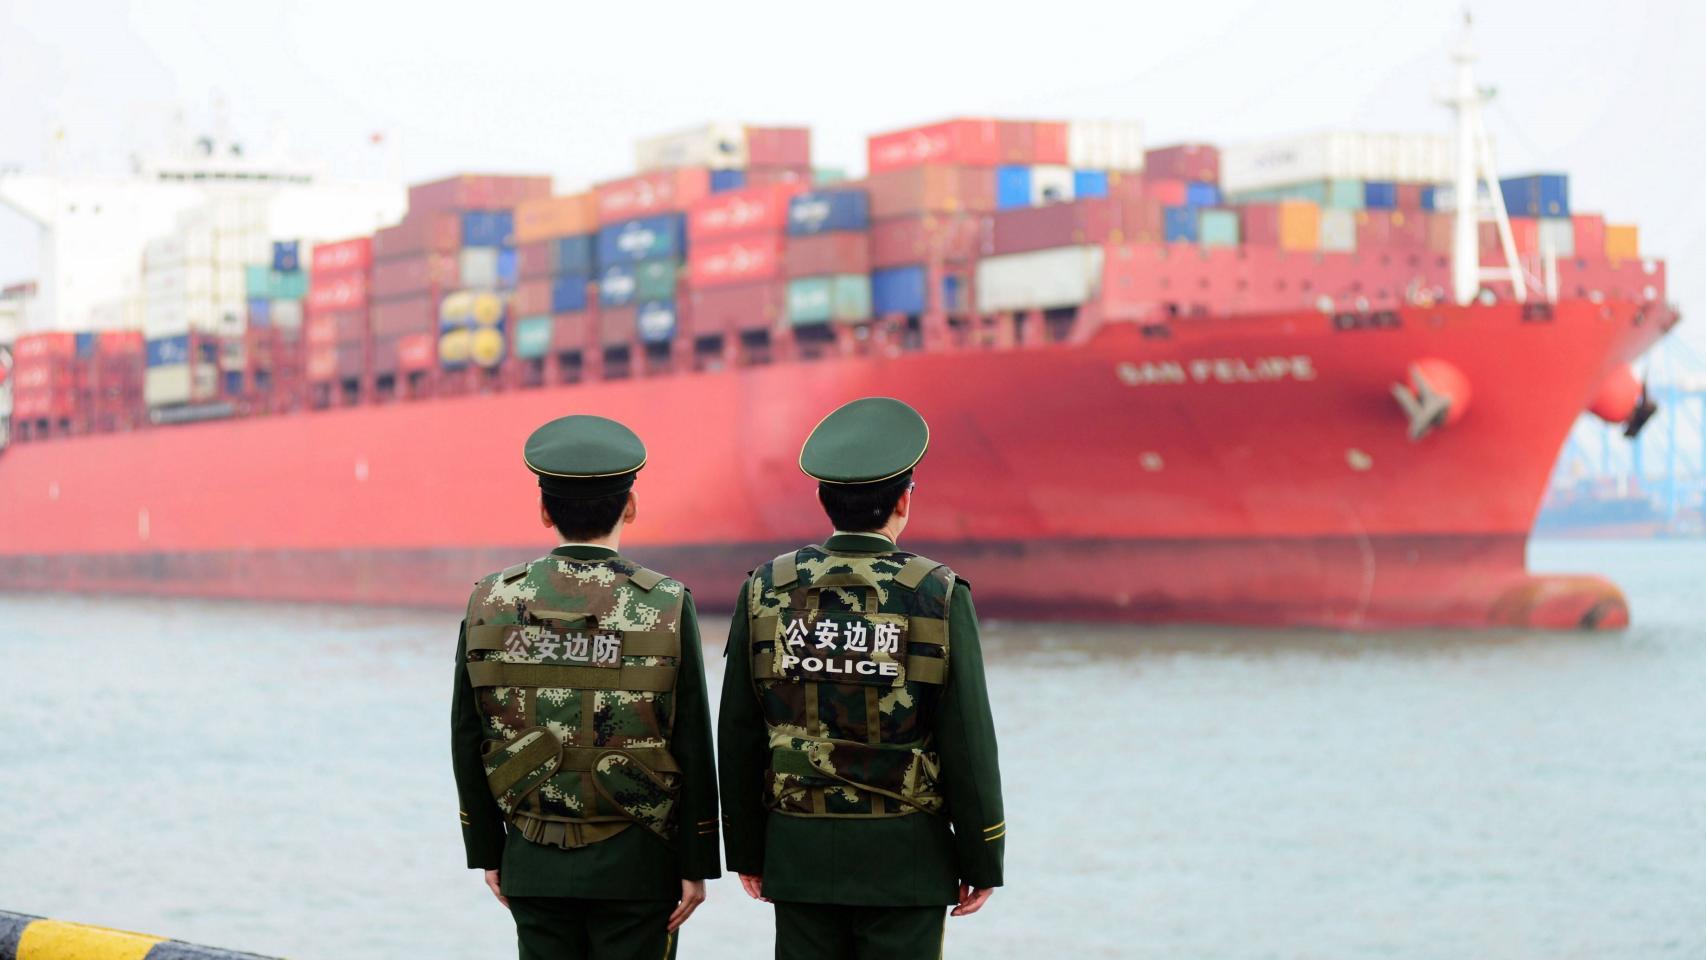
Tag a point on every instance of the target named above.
point(553, 217)
point(1622, 242)
point(1299, 225)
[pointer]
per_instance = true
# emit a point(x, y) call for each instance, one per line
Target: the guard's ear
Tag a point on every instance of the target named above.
point(632, 510)
point(544, 515)
point(903, 506)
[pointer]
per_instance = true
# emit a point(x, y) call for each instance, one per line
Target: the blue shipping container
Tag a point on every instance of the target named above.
point(507, 267)
point(169, 351)
point(952, 288)
point(655, 321)
point(568, 294)
point(722, 180)
point(1202, 195)
point(898, 290)
point(233, 383)
point(1179, 225)
point(1012, 187)
point(572, 256)
point(487, 228)
point(1538, 195)
point(1089, 184)
point(648, 238)
point(286, 256)
point(85, 345)
point(260, 312)
point(821, 211)
point(1380, 195)
point(616, 285)
point(1428, 197)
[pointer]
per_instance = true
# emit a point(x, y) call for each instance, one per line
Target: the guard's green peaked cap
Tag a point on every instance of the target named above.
point(583, 457)
point(865, 441)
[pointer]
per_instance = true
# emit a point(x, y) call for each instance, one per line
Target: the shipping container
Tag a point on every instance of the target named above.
point(1590, 234)
point(1051, 183)
point(533, 261)
point(568, 294)
point(287, 256)
point(345, 290)
point(320, 331)
point(655, 321)
point(471, 191)
point(946, 237)
point(743, 260)
point(320, 363)
point(1622, 242)
point(617, 286)
point(1105, 145)
point(354, 255)
point(618, 325)
point(1380, 195)
point(169, 351)
point(1179, 225)
point(1050, 143)
point(419, 232)
point(931, 189)
point(899, 290)
point(842, 299)
point(1338, 231)
point(1408, 196)
point(723, 181)
point(1201, 194)
point(488, 228)
point(532, 337)
point(507, 270)
point(717, 146)
point(285, 315)
point(1073, 224)
point(740, 212)
point(828, 253)
point(1044, 280)
point(820, 211)
point(1537, 195)
point(415, 274)
point(405, 315)
point(1089, 184)
point(773, 176)
point(955, 142)
point(739, 306)
point(651, 194)
point(532, 297)
point(777, 147)
point(550, 217)
point(1012, 187)
point(1318, 157)
point(574, 255)
point(1196, 162)
point(646, 238)
point(1217, 228)
point(261, 282)
point(1557, 237)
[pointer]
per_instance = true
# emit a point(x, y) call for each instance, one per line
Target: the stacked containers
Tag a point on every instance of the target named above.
point(336, 333)
point(735, 270)
point(737, 156)
point(827, 257)
point(113, 394)
point(418, 262)
point(45, 379)
point(262, 363)
point(472, 318)
point(555, 240)
point(643, 235)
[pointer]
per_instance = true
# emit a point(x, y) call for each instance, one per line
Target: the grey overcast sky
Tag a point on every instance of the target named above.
point(1608, 92)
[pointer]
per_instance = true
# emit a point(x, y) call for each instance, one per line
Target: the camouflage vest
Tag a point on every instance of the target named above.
point(574, 663)
point(849, 653)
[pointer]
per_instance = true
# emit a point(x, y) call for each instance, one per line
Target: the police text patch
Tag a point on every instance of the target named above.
point(836, 647)
point(549, 644)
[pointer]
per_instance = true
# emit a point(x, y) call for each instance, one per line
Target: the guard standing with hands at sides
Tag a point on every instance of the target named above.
point(861, 792)
point(581, 732)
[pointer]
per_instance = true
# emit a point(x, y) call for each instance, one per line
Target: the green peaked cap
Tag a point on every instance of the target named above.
point(584, 457)
point(866, 441)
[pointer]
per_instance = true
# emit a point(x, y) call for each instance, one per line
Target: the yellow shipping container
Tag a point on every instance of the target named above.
point(1622, 242)
point(556, 217)
point(1299, 225)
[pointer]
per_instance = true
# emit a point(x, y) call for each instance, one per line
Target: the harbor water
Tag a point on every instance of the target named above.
point(276, 778)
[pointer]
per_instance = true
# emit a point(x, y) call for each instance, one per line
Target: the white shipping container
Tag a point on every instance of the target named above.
point(720, 146)
point(479, 266)
point(1105, 144)
point(1051, 184)
point(286, 314)
point(1399, 157)
point(1557, 236)
point(1061, 277)
point(1338, 231)
point(165, 386)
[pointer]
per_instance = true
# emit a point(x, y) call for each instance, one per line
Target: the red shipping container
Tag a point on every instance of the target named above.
point(1017, 140)
point(417, 233)
point(662, 191)
point(320, 331)
point(395, 318)
point(738, 212)
point(1198, 162)
point(934, 238)
point(471, 191)
point(416, 352)
point(735, 261)
point(1094, 221)
point(1259, 224)
point(1391, 230)
point(930, 189)
point(44, 345)
point(352, 360)
point(1050, 142)
point(406, 276)
point(320, 365)
point(115, 343)
point(836, 252)
point(1165, 191)
point(1410, 196)
point(338, 291)
point(616, 325)
point(771, 176)
point(779, 147)
point(963, 142)
point(344, 255)
point(572, 331)
point(746, 306)
point(532, 297)
point(533, 260)
point(1590, 235)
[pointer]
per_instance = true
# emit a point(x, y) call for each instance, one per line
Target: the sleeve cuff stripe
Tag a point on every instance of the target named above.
point(995, 837)
point(995, 828)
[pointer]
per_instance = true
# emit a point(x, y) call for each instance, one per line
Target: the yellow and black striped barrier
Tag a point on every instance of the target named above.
point(33, 938)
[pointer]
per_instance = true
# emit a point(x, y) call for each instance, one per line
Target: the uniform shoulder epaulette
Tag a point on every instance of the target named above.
point(645, 579)
point(913, 572)
point(784, 570)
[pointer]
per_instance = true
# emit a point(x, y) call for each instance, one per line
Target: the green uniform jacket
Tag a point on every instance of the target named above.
point(913, 860)
point(633, 865)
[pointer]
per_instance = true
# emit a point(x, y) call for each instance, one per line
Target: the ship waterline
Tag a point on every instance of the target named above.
point(1238, 469)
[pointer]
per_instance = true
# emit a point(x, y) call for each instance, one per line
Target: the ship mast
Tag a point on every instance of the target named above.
point(1475, 168)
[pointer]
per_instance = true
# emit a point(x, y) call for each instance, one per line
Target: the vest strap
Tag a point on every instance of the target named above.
point(583, 759)
point(927, 630)
point(765, 628)
point(646, 579)
point(489, 673)
point(913, 572)
point(524, 763)
point(784, 571)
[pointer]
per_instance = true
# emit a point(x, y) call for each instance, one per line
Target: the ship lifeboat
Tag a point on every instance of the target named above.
point(1435, 396)
point(1622, 399)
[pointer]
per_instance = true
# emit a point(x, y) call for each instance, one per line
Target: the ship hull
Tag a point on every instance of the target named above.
point(1249, 470)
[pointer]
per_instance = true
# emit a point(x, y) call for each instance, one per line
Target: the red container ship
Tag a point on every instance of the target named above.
point(1131, 425)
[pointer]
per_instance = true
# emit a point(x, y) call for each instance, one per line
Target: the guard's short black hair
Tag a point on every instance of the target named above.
point(581, 520)
point(862, 507)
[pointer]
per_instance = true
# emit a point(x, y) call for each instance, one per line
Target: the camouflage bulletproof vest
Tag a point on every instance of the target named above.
point(849, 653)
point(574, 667)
